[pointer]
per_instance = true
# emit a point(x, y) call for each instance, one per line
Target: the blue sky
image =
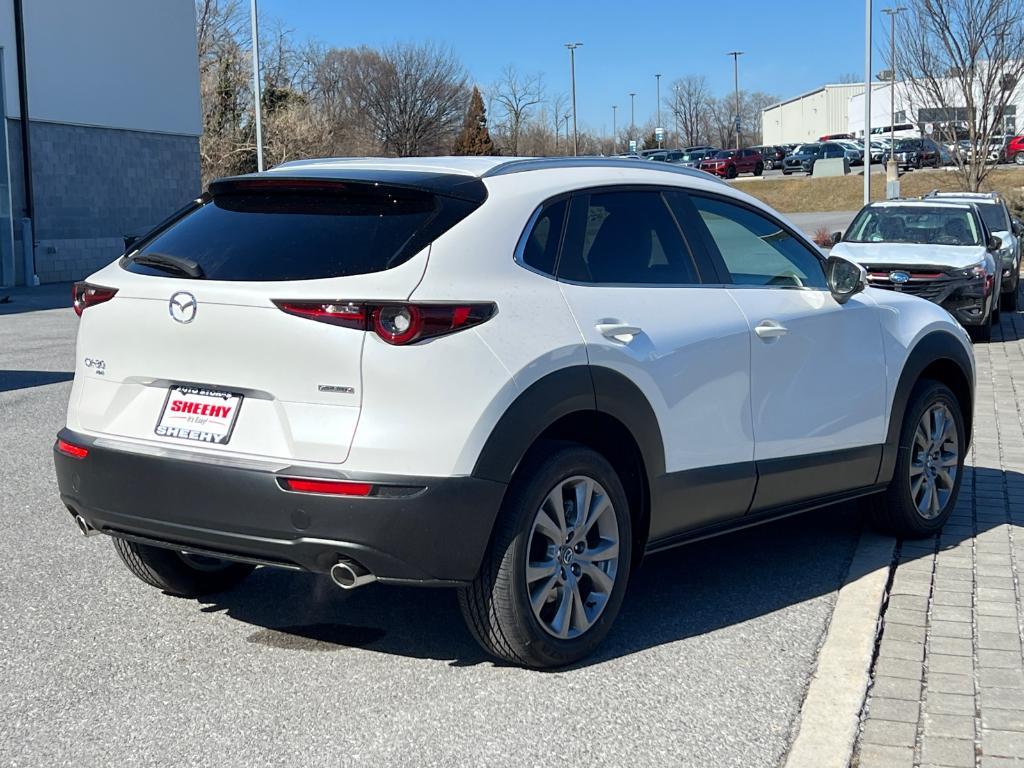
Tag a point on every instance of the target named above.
point(624, 45)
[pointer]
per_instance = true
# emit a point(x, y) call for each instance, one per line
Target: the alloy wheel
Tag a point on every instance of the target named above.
point(935, 461)
point(572, 557)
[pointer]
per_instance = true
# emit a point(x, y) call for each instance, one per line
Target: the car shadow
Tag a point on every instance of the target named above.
point(14, 301)
point(12, 380)
point(687, 592)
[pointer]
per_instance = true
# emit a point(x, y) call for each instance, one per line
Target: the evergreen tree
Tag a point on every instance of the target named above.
point(474, 138)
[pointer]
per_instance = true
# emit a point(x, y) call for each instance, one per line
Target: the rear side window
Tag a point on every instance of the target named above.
point(301, 231)
point(624, 237)
point(540, 249)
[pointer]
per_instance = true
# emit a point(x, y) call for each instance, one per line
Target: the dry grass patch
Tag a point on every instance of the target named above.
point(846, 193)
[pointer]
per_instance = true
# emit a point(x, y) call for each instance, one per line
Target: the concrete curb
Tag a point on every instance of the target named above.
point(827, 728)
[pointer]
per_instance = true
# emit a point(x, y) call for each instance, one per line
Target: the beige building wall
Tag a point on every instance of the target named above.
point(810, 115)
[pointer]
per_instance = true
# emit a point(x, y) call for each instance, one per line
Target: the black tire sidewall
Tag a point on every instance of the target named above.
point(543, 475)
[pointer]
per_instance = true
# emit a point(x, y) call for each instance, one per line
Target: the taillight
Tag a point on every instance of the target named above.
point(85, 295)
point(395, 323)
point(72, 450)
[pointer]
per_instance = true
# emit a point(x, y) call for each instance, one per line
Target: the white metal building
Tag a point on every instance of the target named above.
point(112, 90)
point(810, 115)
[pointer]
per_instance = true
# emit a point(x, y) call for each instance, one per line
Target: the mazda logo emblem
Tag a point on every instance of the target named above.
point(182, 307)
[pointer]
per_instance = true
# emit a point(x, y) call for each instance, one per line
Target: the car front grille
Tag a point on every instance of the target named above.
point(928, 283)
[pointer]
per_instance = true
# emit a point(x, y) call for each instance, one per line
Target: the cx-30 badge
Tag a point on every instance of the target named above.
point(182, 307)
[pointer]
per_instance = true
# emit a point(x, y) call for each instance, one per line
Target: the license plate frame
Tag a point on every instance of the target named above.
point(193, 399)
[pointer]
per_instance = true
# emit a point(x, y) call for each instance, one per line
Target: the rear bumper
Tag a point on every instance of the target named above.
point(414, 530)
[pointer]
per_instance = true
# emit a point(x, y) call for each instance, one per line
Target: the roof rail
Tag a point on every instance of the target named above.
point(550, 163)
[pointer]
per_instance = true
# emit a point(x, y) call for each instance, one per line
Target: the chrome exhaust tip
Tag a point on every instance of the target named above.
point(349, 574)
point(84, 527)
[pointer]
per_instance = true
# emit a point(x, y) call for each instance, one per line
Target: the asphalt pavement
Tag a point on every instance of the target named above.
point(706, 666)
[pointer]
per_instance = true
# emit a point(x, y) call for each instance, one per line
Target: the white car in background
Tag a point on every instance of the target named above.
point(511, 377)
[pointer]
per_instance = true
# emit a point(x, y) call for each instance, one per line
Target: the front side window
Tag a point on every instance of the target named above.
point(994, 215)
point(624, 238)
point(756, 250)
point(541, 245)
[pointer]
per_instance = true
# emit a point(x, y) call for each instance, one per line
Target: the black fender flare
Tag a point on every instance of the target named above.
point(935, 346)
point(558, 394)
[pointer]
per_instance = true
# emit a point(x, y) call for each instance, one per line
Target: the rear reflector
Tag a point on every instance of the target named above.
point(74, 451)
point(330, 487)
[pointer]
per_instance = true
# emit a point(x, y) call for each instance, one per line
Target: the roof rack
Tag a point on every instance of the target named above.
point(551, 163)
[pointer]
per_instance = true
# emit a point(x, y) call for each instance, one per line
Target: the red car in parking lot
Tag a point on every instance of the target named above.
point(730, 163)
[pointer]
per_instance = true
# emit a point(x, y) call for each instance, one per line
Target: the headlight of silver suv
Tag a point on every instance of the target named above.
point(979, 270)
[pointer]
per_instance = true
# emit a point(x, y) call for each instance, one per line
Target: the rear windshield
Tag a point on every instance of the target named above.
point(915, 224)
point(300, 231)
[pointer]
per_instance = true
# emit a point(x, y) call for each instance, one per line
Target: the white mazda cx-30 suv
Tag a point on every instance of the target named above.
point(514, 377)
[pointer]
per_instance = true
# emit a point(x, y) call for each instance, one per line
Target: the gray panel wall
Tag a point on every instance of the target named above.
point(95, 185)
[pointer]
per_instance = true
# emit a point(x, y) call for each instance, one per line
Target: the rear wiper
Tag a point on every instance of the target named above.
point(169, 263)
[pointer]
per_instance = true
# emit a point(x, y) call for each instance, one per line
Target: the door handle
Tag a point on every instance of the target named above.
point(618, 330)
point(770, 329)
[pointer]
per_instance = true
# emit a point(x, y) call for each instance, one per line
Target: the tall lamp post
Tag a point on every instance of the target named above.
point(736, 87)
point(657, 89)
point(867, 101)
point(892, 175)
point(632, 115)
point(572, 76)
point(257, 97)
point(615, 132)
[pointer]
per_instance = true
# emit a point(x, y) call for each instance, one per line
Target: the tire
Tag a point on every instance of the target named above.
point(758, 169)
point(897, 511)
point(787, 173)
point(1019, 158)
point(731, 172)
point(1011, 300)
point(178, 573)
point(497, 605)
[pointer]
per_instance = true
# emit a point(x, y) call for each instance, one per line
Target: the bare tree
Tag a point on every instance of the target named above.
point(559, 108)
point(517, 95)
point(963, 61)
point(690, 104)
point(414, 95)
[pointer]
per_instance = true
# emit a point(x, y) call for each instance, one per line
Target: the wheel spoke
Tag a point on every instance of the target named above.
point(602, 581)
point(584, 494)
point(538, 571)
point(924, 503)
point(548, 526)
point(580, 620)
point(539, 596)
point(946, 478)
point(921, 438)
point(915, 486)
point(605, 550)
point(555, 506)
point(916, 468)
point(934, 509)
point(601, 505)
point(560, 622)
point(938, 426)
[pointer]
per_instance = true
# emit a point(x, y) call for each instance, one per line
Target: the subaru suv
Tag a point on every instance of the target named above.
point(938, 250)
point(511, 377)
point(1009, 230)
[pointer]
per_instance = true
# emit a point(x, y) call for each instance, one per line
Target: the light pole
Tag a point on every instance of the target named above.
point(572, 76)
point(891, 171)
point(632, 115)
point(736, 85)
point(657, 89)
point(615, 132)
point(257, 97)
point(867, 101)
point(567, 135)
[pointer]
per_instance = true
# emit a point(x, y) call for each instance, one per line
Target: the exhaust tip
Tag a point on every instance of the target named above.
point(349, 574)
point(84, 527)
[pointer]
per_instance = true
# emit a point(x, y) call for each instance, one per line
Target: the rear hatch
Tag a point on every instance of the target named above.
point(193, 352)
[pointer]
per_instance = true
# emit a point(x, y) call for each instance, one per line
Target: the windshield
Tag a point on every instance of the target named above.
point(905, 144)
point(805, 149)
point(929, 225)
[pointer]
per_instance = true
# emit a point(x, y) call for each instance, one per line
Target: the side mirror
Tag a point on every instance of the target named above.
point(837, 238)
point(994, 243)
point(1018, 228)
point(845, 279)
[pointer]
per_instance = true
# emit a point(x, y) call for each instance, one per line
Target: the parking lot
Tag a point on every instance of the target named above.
point(707, 665)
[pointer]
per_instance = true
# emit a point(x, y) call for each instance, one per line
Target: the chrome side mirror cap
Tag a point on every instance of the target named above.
point(845, 278)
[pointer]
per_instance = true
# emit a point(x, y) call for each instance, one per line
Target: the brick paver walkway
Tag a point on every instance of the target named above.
point(948, 682)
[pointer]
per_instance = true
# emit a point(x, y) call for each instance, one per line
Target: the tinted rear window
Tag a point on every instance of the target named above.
point(304, 232)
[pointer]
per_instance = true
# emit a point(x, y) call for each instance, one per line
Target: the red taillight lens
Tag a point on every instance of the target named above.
point(85, 295)
point(395, 323)
point(69, 449)
point(330, 487)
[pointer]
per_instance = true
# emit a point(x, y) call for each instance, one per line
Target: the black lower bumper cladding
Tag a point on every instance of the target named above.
point(434, 531)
